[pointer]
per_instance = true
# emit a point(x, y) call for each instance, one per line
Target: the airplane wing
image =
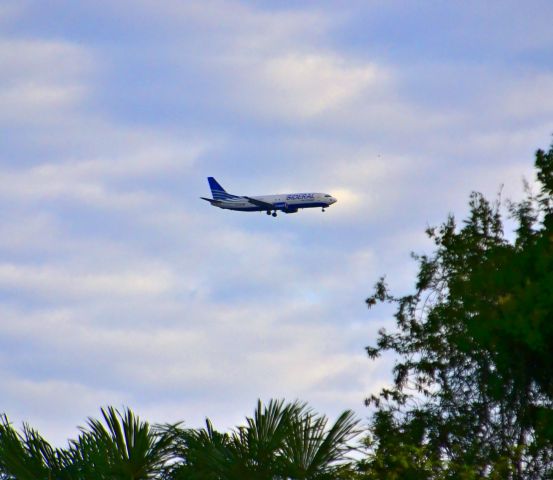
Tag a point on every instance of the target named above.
point(259, 203)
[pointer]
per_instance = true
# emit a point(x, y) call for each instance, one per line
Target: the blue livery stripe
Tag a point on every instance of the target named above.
point(220, 196)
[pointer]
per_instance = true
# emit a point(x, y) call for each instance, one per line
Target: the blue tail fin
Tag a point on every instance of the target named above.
point(214, 185)
point(217, 191)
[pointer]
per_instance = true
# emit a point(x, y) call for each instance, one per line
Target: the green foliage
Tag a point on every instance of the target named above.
point(280, 441)
point(121, 447)
point(402, 453)
point(28, 456)
point(472, 394)
point(202, 454)
point(310, 450)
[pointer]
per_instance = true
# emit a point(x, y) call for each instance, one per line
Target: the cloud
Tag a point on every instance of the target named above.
point(44, 61)
point(304, 85)
point(54, 407)
point(42, 79)
point(244, 354)
point(150, 159)
point(525, 98)
point(92, 180)
point(120, 286)
point(97, 164)
point(78, 153)
point(52, 398)
point(272, 64)
point(15, 185)
point(57, 282)
point(240, 26)
point(31, 98)
point(23, 231)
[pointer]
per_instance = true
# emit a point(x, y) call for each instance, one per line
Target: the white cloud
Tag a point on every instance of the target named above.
point(50, 398)
point(350, 200)
point(299, 83)
point(272, 64)
point(44, 61)
point(22, 232)
point(62, 283)
point(148, 300)
point(238, 350)
point(94, 181)
point(46, 87)
point(54, 407)
point(32, 97)
point(42, 80)
point(17, 185)
point(156, 156)
point(238, 25)
point(307, 85)
point(528, 97)
point(365, 182)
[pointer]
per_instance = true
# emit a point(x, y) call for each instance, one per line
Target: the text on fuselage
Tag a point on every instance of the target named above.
point(301, 196)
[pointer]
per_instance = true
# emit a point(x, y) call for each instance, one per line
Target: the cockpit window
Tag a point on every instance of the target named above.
point(327, 196)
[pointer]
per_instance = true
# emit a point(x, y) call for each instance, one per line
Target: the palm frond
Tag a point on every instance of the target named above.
point(28, 456)
point(127, 447)
point(311, 451)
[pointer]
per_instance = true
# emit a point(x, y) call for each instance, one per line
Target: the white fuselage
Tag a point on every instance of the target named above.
point(286, 202)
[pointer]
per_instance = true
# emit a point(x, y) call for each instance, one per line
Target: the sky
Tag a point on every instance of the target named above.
point(119, 286)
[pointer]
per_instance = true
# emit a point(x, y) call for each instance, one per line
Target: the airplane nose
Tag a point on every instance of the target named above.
point(334, 200)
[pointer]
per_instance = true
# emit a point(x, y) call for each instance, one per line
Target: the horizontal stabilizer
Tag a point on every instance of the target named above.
point(210, 200)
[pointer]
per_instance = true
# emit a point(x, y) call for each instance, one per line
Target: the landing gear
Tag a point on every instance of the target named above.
point(323, 209)
point(268, 212)
point(274, 213)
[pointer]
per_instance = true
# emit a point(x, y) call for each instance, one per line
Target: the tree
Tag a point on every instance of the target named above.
point(121, 447)
point(28, 456)
point(472, 393)
point(280, 441)
point(521, 278)
point(313, 451)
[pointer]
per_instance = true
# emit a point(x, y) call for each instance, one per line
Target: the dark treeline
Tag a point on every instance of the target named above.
point(471, 397)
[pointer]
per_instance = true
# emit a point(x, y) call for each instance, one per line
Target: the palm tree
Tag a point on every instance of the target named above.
point(28, 456)
point(258, 445)
point(314, 452)
point(280, 441)
point(121, 447)
point(203, 454)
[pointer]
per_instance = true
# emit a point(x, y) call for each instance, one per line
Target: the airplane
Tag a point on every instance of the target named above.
point(285, 202)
